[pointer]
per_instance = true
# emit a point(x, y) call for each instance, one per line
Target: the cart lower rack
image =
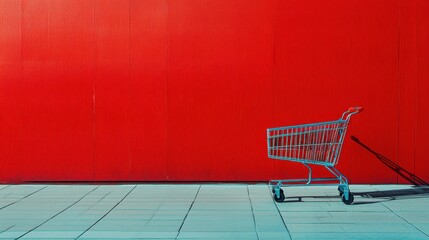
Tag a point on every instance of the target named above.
point(311, 144)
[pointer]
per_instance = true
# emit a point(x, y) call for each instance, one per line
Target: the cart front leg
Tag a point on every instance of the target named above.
point(278, 192)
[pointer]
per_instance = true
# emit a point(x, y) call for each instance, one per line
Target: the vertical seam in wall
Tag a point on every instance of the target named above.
point(399, 86)
point(93, 88)
point(129, 92)
point(20, 35)
point(415, 96)
point(273, 78)
point(167, 169)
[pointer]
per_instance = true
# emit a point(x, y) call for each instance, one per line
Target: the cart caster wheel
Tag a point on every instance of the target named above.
point(281, 198)
point(340, 190)
point(349, 201)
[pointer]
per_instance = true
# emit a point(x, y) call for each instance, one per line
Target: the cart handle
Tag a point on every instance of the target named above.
point(351, 111)
point(355, 109)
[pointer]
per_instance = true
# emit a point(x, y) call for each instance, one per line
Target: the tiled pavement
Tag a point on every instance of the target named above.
point(211, 211)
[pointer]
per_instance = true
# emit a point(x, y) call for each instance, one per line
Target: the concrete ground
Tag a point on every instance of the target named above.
point(211, 211)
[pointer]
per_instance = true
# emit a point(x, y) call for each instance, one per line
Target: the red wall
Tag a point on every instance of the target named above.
point(160, 90)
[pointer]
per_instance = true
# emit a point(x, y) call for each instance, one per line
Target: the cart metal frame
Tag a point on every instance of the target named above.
point(317, 144)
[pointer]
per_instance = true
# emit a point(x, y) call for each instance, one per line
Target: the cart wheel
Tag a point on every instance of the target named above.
point(349, 201)
point(281, 198)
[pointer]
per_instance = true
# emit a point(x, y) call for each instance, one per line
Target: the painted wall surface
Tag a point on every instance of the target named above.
point(163, 90)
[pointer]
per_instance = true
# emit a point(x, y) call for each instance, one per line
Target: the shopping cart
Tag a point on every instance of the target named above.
point(311, 144)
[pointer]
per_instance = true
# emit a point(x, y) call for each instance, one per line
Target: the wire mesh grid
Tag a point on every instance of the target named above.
point(317, 143)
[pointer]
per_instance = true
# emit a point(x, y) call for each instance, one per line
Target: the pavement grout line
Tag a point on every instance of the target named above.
point(23, 198)
point(278, 210)
point(107, 212)
point(58, 213)
point(404, 219)
point(99, 200)
point(7, 229)
point(189, 210)
point(5, 187)
point(253, 213)
point(153, 215)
